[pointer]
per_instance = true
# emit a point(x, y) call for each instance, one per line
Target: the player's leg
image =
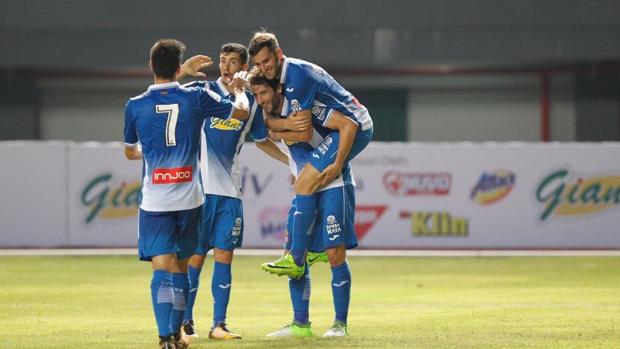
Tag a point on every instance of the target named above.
point(299, 291)
point(228, 230)
point(186, 242)
point(194, 269)
point(340, 236)
point(156, 243)
point(196, 262)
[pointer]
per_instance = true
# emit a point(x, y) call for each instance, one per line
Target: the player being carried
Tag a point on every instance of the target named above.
point(222, 214)
point(162, 128)
point(335, 203)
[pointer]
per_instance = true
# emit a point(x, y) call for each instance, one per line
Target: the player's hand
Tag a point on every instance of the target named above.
point(330, 173)
point(240, 80)
point(193, 66)
point(299, 122)
point(273, 136)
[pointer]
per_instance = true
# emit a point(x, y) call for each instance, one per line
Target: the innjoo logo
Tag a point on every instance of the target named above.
point(172, 175)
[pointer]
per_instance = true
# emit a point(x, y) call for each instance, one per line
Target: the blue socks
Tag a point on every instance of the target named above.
point(194, 281)
point(341, 290)
point(220, 288)
point(180, 284)
point(300, 297)
point(162, 297)
point(302, 221)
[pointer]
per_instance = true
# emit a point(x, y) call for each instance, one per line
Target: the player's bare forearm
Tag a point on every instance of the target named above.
point(271, 149)
point(292, 136)
point(275, 124)
point(241, 105)
point(133, 153)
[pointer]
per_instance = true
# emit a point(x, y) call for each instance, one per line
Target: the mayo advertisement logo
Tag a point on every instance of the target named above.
point(226, 124)
point(408, 184)
point(561, 193)
point(492, 187)
point(436, 224)
point(108, 198)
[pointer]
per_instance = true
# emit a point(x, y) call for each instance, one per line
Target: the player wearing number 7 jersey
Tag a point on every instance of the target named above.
point(166, 121)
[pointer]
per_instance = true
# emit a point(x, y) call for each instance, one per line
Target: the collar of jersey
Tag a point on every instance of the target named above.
point(283, 71)
point(165, 85)
point(222, 87)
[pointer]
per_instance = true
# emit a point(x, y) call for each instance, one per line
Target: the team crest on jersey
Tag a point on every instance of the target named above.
point(295, 106)
point(226, 124)
point(332, 226)
point(319, 112)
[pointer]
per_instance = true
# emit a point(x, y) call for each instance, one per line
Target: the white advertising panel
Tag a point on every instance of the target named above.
point(33, 194)
point(409, 195)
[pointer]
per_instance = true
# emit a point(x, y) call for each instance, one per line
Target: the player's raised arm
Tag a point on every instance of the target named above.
point(193, 66)
point(242, 104)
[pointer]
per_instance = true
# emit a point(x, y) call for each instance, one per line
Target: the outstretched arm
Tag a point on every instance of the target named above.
point(271, 149)
point(193, 66)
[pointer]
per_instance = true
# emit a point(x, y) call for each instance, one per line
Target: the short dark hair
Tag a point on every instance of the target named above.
point(257, 78)
point(262, 39)
point(166, 56)
point(233, 47)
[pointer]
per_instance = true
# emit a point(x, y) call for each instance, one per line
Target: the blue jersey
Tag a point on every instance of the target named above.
point(306, 85)
point(300, 153)
point(222, 139)
point(166, 120)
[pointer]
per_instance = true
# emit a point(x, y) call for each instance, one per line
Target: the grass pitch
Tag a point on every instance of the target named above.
point(413, 302)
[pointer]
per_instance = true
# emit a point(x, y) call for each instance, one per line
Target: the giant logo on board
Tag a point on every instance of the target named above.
point(492, 187)
point(107, 197)
point(563, 193)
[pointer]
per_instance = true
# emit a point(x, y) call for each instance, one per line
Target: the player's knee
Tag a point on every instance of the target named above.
point(336, 255)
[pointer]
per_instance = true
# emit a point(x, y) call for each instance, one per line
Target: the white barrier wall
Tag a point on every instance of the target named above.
point(487, 195)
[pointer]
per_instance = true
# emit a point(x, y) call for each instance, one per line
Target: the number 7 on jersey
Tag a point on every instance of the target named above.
point(171, 121)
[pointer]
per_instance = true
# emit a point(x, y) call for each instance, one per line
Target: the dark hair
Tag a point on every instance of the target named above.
point(262, 39)
point(257, 78)
point(233, 47)
point(166, 56)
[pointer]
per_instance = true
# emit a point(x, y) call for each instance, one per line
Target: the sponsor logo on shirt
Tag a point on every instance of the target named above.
point(561, 194)
point(226, 124)
point(492, 187)
point(410, 183)
point(172, 175)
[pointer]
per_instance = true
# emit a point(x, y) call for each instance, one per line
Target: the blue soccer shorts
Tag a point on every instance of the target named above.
point(325, 154)
point(334, 222)
point(168, 232)
point(222, 224)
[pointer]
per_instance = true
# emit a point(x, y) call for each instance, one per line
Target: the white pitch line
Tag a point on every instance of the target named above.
point(361, 252)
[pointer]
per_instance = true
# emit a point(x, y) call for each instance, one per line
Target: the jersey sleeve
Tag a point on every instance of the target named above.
point(258, 129)
point(211, 104)
point(301, 88)
point(131, 136)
